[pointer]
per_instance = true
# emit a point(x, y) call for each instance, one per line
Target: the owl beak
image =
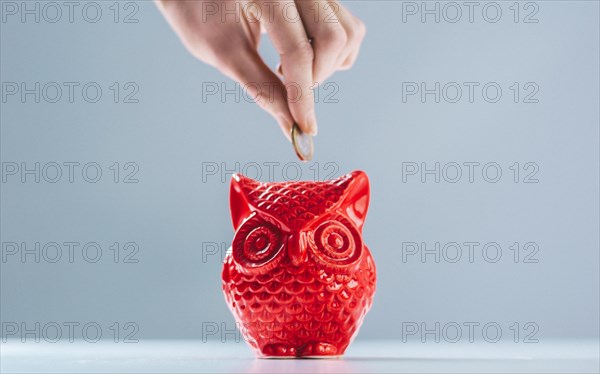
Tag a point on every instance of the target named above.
point(297, 248)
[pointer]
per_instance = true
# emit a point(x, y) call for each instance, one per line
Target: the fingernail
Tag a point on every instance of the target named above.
point(312, 123)
point(285, 126)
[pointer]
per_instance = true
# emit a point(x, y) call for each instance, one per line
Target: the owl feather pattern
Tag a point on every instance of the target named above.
point(298, 278)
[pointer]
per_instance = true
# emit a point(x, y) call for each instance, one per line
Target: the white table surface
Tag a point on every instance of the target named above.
point(181, 356)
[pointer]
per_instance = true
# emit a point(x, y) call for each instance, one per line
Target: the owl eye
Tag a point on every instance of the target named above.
point(260, 243)
point(336, 243)
point(257, 244)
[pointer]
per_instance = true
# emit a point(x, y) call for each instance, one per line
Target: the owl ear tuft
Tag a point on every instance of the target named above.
point(355, 200)
point(238, 199)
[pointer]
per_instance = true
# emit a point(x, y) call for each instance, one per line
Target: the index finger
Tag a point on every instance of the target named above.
point(282, 22)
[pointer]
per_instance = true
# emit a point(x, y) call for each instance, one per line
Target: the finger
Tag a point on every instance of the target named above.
point(287, 32)
point(355, 33)
point(326, 33)
point(260, 84)
point(350, 60)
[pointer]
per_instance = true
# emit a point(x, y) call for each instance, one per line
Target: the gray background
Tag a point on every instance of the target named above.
point(172, 210)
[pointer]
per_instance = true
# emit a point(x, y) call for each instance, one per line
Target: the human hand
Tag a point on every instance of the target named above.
point(314, 38)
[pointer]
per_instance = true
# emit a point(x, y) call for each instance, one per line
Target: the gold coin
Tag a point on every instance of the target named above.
point(303, 144)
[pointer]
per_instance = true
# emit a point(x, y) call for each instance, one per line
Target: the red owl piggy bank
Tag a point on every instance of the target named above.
point(298, 277)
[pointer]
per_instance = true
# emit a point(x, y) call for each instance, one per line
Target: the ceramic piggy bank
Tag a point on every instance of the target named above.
point(298, 277)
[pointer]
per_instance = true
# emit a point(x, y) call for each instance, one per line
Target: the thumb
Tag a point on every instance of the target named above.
point(262, 85)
